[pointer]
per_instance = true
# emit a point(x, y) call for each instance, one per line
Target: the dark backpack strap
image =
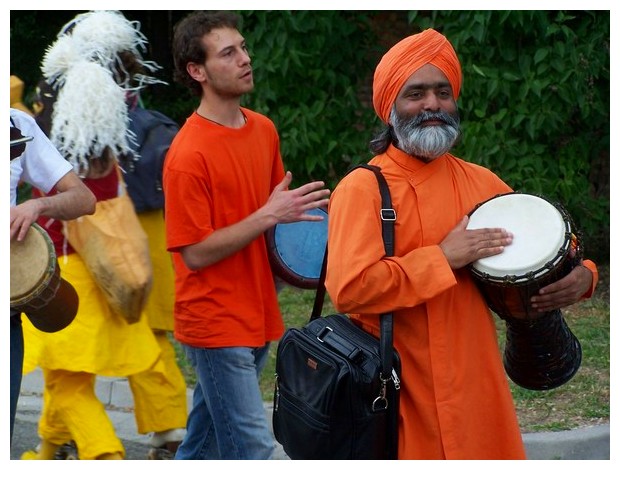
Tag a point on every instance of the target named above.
point(388, 218)
point(319, 297)
point(386, 345)
point(387, 213)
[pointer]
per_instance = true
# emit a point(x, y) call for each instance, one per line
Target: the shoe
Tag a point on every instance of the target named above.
point(174, 435)
point(160, 454)
point(67, 451)
point(30, 455)
point(165, 444)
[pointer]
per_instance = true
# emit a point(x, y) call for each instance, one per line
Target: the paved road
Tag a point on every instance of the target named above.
point(591, 443)
point(25, 438)
point(114, 393)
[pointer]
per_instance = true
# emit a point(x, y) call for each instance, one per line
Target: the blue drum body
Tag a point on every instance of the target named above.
point(296, 250)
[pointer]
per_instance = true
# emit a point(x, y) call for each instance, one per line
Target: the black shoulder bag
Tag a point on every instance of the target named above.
point(337, 387)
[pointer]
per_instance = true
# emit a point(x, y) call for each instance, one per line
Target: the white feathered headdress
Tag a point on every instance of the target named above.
point(99, 36)
point(83, 65)
point(90, 114)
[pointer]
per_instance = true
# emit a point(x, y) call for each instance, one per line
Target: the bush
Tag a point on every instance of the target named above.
point(534, 103)
point(309, 67)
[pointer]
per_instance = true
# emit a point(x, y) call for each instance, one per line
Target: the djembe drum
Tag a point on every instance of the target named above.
point(296, 250)
point(541, 352)
point(37, 289)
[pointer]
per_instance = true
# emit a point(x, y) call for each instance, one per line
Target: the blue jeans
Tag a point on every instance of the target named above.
point(227, 420)
point(17, 363)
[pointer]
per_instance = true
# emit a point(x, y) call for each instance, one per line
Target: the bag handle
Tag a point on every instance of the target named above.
point(388, 218)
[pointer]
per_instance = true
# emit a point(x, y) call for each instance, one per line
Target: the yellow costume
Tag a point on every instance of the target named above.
point(160, 402)
point(97, 342)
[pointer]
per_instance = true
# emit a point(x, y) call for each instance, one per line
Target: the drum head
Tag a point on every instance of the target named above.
point(540, 232)
point(32, 262)
point(296, 250)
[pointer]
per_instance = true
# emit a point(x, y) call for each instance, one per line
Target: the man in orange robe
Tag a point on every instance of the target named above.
point(455, 398)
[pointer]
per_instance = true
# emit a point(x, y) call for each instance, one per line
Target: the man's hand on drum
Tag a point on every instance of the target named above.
point(288, 206)
point(564, 292)
point(73, 199)
point(22, 216)
point(462, 247)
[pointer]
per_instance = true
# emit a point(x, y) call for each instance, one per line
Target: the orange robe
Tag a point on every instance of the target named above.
point(455, 398)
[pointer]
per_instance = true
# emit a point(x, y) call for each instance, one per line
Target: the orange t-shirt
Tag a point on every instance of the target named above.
point(216, 176)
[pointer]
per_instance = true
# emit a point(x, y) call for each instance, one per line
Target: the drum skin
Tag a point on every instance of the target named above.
point(538, 256)
point(541, 352)
point(296, 250)
point(32, 267)
point(37, 289)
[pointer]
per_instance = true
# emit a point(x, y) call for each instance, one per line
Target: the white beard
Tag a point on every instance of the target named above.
point(426, 143)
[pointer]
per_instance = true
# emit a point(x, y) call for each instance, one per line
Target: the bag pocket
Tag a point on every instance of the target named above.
point(306, 383)
point(302, 430)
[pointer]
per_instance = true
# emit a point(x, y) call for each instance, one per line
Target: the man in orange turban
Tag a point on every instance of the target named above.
point(455, 398)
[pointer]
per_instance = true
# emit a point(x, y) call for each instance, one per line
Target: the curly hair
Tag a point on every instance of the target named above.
point(187, 45)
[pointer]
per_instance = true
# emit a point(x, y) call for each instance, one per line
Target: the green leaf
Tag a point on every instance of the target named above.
point(478, 70)
point(541, 54)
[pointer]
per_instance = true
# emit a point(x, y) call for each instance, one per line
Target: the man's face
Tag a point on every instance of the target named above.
point(424, 117)
point(227, 70)
point(427, 89)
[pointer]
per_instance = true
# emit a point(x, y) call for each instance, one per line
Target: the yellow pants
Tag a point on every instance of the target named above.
point(160, 398)
point(72, 411)
point(98, 342)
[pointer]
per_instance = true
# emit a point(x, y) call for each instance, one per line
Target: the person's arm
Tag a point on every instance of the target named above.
point(73, 200)
point(283, 206)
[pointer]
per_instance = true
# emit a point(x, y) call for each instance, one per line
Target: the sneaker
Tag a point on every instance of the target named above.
point(67, 451)
point(174, 435)
point(165, 444)
point(160, 454)
point(30, 455)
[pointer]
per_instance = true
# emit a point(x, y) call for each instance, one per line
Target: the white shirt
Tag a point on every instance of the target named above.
point(41, 165)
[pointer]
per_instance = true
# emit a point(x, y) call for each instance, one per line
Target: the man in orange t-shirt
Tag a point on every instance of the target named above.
point(455, 398)
point(225, 185)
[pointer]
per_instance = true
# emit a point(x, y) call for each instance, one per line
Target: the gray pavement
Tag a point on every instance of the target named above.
point(589, 443)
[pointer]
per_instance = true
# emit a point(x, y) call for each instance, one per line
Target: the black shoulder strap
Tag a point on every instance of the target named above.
point(388, 218)
point(388, 214)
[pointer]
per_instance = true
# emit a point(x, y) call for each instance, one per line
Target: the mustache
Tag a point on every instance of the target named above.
point(422, 117)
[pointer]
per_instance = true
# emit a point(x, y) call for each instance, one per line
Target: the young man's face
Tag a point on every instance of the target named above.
point(227, 70)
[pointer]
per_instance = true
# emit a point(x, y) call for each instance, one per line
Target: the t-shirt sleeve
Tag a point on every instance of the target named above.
point(187, 210)
point(42, 164)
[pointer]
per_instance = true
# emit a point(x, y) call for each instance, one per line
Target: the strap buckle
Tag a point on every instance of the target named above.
point(388, 214)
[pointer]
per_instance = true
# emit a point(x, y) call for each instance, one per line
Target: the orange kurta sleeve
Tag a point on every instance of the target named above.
point(590, 265)
point(359, 279)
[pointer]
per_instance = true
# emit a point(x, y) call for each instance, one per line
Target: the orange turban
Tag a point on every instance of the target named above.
point(404, 59)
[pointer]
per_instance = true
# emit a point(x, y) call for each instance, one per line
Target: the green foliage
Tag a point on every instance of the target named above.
point(308, 68)
point(535, 105)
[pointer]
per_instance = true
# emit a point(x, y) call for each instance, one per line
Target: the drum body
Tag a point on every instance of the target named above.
point(37, 288)
point(541, 352)
point(296, 250)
